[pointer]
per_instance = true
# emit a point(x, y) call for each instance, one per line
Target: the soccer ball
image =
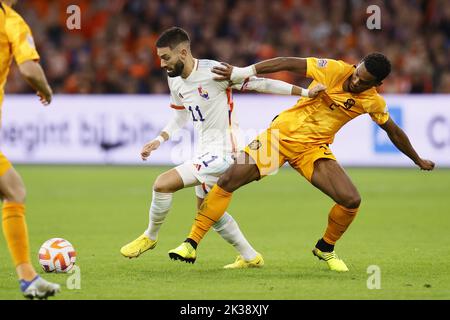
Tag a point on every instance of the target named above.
point(57, 255)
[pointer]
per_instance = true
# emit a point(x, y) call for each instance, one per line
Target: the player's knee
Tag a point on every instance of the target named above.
point(352, 201)
point(161, 185)
point(15, 194)
point(227, 182)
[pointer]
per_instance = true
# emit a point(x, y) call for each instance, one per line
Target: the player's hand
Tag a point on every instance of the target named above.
point(314, 91)
point(223, 72)
point(45, 98)
point(427, 165)
point(148, 148)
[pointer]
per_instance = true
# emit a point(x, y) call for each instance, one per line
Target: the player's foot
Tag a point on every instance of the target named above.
point(240, 263)
point(334, 263)
point(184, 252)
point(38, 288)
point(136, 247)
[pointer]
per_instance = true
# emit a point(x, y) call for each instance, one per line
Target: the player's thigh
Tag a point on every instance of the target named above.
point(331, 178)
point(263, 156)
point(12, 188)
point(244, 170)
point(267, 151)
point(169, 181)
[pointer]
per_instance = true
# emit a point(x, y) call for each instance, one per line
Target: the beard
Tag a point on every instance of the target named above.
point(177, 70)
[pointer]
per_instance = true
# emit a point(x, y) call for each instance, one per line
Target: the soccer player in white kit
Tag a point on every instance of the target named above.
point(197, 97)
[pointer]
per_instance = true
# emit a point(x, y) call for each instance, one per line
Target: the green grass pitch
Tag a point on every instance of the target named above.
point(402, 227)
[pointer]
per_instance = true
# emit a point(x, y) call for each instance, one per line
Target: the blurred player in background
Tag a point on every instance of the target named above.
point(301, 136)
point(16, 41)
point(208, 103)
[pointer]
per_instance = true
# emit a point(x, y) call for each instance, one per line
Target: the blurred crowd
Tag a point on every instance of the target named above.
point(114, 51)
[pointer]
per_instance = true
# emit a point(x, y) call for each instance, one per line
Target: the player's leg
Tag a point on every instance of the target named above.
point(332, 180)
point(14, 226)
point(262, 156)
point(240, 173)
point(163, 189)
point(229, 230)
point(215, 204)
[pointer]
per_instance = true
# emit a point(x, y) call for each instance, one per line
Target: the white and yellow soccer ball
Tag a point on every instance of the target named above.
point(57, 255)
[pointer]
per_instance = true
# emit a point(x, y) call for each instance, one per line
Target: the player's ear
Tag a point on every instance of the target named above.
point(181, 54)
point(184, 51)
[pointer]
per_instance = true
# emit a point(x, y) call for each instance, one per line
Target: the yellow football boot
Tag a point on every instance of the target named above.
point(334, 263)
point(184, 252)
point(240, 263)
point(136, 247)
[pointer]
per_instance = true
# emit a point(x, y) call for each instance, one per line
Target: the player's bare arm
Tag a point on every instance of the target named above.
point(35, 76)
point(225, 72)
point(401, 141)
point(292, 64)
point(272, 86)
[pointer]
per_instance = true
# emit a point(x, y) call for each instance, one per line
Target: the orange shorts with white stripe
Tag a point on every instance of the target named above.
point(270, 150)
point(5, 165)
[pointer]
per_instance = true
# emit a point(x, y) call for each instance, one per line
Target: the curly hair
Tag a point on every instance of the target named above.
point(378, 65)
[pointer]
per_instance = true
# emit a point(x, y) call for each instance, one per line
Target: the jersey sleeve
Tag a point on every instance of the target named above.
point(324, 71)
point(378, 110)
point(224, 84)
point(178, 121)
point(175, 101)
point(264, 85)
point(21, 39)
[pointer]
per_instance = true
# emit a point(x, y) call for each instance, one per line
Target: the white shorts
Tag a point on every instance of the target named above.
point(203, 171)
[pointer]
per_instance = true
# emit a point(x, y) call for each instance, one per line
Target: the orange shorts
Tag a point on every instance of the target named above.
point(5, 165)
point(270, 150)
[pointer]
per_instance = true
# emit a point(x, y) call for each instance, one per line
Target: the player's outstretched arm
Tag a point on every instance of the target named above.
point(32, 72)
point(236, 74)
point(401, 141)
point(277, 87)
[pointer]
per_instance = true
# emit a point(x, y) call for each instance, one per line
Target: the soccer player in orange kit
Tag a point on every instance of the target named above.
point(301, 136)
point(16, 41)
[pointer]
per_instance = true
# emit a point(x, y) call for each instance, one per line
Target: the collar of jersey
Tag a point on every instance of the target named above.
point(193, 69)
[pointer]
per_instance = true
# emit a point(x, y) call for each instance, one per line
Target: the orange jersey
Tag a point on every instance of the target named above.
point(16, 41)
point(317, 120)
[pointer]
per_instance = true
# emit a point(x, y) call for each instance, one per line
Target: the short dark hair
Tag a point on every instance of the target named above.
point(378, 65)
point(172, 37)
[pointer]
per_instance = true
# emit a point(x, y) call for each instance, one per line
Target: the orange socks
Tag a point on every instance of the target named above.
point(338, 221)
point(15, 231)
point(212, 208)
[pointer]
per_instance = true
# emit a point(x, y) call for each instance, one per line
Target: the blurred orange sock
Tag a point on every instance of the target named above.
point(338, 221)
point(15, 231)
point(212, 208)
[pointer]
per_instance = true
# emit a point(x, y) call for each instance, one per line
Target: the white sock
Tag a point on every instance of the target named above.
point(228, 229)
point(159, 208)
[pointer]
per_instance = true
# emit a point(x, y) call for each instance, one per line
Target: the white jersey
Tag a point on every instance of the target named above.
point(209, 105)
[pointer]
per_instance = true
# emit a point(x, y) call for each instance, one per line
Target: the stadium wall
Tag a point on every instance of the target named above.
point(112, 129)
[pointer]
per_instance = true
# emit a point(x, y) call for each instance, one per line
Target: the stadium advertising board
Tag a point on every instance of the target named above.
point(112, 129)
